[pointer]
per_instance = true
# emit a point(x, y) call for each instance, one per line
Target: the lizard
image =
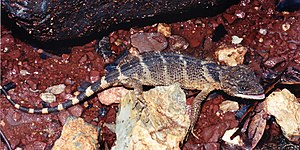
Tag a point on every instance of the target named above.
point(166, 68)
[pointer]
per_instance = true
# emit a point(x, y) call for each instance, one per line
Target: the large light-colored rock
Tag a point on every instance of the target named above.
point(77, 135)
point(163, 124)
point(286, 109)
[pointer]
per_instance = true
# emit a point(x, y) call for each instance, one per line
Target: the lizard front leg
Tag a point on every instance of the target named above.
point(196, 106)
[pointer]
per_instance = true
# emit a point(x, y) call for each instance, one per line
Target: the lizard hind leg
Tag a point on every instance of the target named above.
point(137, 86)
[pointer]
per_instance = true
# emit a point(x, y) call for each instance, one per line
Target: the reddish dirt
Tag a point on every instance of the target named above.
point(269, 55)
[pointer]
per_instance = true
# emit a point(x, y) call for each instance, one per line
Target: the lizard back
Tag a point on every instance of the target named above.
point(165, 68)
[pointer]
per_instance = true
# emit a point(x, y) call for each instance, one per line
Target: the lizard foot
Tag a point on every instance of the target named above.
point(140, 103)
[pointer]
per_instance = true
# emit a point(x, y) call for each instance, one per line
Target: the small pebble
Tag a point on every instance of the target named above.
point(32, 84)
point(239, 14)
point(24, 72)
point(236, 40)
point(177, 42)
point(285, 26)
point(56, 89)
point(48, 97)
point(94, 76)
point(65, 56)
point(164, 29)
point(230, 18)
point(262, 31)
point(270, 63)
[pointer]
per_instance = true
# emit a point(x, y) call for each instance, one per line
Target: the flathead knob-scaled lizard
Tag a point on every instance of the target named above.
point(164, 68)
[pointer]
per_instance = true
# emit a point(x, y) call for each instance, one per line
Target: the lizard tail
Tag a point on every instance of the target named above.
point(92, 89)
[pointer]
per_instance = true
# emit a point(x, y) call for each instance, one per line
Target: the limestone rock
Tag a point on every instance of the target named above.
point(77, 135)
point(231, 56)
point(56, 89)
point(48, 97)
point(230, 106)
point(164, 29)
point(286, 109)
point(163, 124)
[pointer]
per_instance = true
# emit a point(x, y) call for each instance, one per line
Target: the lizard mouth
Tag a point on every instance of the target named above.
point(259, 96)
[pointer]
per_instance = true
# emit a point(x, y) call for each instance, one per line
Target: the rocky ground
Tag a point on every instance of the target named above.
point(263, 38)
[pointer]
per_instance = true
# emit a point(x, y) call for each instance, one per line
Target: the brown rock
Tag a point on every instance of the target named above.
point(63, 116)
point(76, 110)
point(146, 42)
point(270, 63)
point(77, 135)
point(230, 18)
point(177, 42)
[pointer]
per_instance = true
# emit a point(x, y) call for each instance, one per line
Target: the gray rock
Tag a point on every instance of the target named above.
point(163, 124)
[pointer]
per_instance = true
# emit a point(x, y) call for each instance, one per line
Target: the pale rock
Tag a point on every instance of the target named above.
point(112, 95)
point(230, 106)
point(285, 107)
point(163, 124)
point(236, 40)
point(236, 141)
point(56, 89)
point(48, 97)
point(77, 135)
point(231, 56)
point(164, 29)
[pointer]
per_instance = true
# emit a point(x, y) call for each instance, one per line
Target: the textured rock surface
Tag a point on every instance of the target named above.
point(56, 89)
point(231, 56)
point(147, 42)
point(112, 95)
point(163, 124)
point(230, 106)
point(77, 135)
point(286, 108)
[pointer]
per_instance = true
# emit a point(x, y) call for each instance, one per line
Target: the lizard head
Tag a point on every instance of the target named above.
point(240, 81)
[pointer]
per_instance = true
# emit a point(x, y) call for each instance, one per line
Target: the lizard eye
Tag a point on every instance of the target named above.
point(243, 88)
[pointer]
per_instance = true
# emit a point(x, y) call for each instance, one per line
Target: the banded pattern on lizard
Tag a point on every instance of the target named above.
point(157, 69)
